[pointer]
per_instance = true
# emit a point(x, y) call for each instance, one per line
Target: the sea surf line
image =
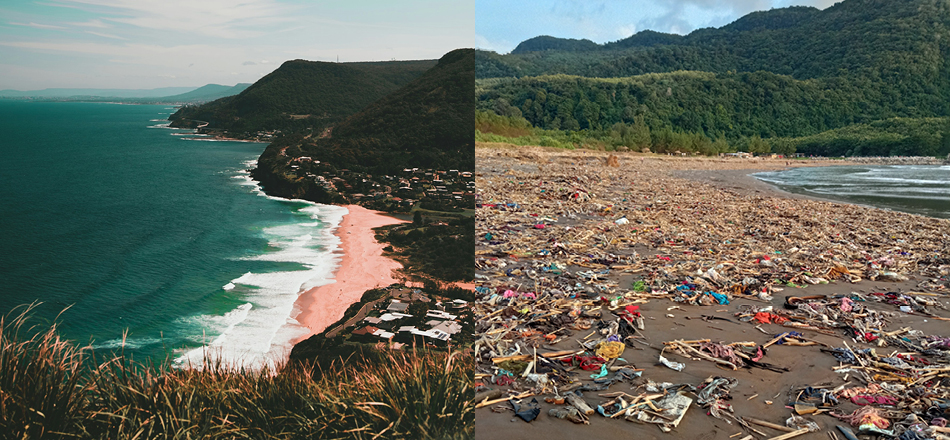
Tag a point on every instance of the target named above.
point(134, 229)
point(916, 189)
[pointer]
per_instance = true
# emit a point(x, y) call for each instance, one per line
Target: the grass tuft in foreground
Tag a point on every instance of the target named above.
point(52, 389)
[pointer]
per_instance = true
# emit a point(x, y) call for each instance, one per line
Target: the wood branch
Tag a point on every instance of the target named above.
point(777, 338)
point(579, 403)
point(492, 402)
point(791, 434)
point(708, 357)
point(768, 424)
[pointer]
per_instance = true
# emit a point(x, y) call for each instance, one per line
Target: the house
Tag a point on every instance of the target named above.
point(397, 306)
point(393, 316)
point(368, 330)
point(447, 327)
point(383, 334)
point(739, 154)
point(440, 314)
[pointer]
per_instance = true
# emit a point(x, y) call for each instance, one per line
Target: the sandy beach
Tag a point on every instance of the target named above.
point(362, 267)
point(701, 212)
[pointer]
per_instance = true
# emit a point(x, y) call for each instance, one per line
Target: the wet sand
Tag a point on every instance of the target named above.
point(807, 365)
point(362, 267)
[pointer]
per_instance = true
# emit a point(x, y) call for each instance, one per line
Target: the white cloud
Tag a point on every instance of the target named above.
point(217, 18)
point(96, 23)
point(626, 30)
point(105, 35)
point(498, 46)
point(37, 25)
point(142, 54)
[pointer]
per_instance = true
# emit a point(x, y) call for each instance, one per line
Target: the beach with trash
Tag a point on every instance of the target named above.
point(637, 295)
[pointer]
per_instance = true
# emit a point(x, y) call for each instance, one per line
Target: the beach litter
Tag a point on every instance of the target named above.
point(628, 254)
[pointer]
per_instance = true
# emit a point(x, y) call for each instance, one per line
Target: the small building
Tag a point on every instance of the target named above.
point(397, 306)
point(447, 327)
point(383, 334)
point(368, 330)
point(440, 315)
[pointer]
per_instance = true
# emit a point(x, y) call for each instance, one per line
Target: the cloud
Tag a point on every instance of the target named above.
point(820, 4)
point(37, 25)
point(498, 46)
point(248, 63)
point(216, 18)
point(626, 30)
point(139, 54)
point(101, 34)
point(96, 23)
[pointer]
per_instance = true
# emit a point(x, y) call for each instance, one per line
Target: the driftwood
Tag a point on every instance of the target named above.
point(790, 434)
point(579, 403)
point(505, 399)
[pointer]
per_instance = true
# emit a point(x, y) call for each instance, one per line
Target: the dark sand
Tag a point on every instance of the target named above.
point(807, 365)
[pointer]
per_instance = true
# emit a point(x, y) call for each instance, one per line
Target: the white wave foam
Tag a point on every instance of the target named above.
point(229, 286)
point(264, 334)
point(907, 181)
point(131, 343)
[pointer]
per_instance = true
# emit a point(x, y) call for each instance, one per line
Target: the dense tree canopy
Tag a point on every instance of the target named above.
point(304, 96)
point(785, 73)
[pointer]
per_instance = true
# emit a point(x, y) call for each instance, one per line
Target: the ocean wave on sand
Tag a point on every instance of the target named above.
point(262, 331)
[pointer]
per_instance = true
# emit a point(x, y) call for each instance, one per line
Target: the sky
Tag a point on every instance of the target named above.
point(144, 44)
point(501, 24)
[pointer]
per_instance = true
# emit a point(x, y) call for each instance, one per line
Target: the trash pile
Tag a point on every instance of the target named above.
point(569, 249)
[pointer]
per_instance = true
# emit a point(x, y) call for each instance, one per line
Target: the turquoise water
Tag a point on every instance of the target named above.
point(918, 189)
point(141, 230)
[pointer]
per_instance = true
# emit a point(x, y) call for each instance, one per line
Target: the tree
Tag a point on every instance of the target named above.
point(417, 218)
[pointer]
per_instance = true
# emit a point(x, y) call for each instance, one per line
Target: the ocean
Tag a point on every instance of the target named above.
point(917, 189)
point(155, 242)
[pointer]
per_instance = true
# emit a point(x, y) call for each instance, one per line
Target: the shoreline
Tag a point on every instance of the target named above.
point(362, 267)
point(743, 181)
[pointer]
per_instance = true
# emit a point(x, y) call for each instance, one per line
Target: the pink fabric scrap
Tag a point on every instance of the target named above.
point(846, 304)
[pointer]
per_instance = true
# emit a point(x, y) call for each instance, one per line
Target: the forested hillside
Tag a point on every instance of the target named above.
point(302, 97)
point(428, 123)
point(783, 73)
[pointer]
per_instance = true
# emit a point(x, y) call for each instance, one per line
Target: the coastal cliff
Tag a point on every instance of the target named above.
point(425, 127)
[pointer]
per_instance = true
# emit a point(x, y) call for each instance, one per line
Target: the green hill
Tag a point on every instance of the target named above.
point(428, 123)
point(206, 93)
point(302, 96)
point(868, 37)
point(790, 72)
point(546, 42)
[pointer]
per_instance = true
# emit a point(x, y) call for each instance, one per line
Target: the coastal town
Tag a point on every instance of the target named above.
point(403, 316)
point(431, 189)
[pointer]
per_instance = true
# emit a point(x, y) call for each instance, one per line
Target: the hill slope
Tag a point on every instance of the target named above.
point(302, 96)
point(206, 93)
point(788, 72)
point(868, 37)
point(428, 123)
